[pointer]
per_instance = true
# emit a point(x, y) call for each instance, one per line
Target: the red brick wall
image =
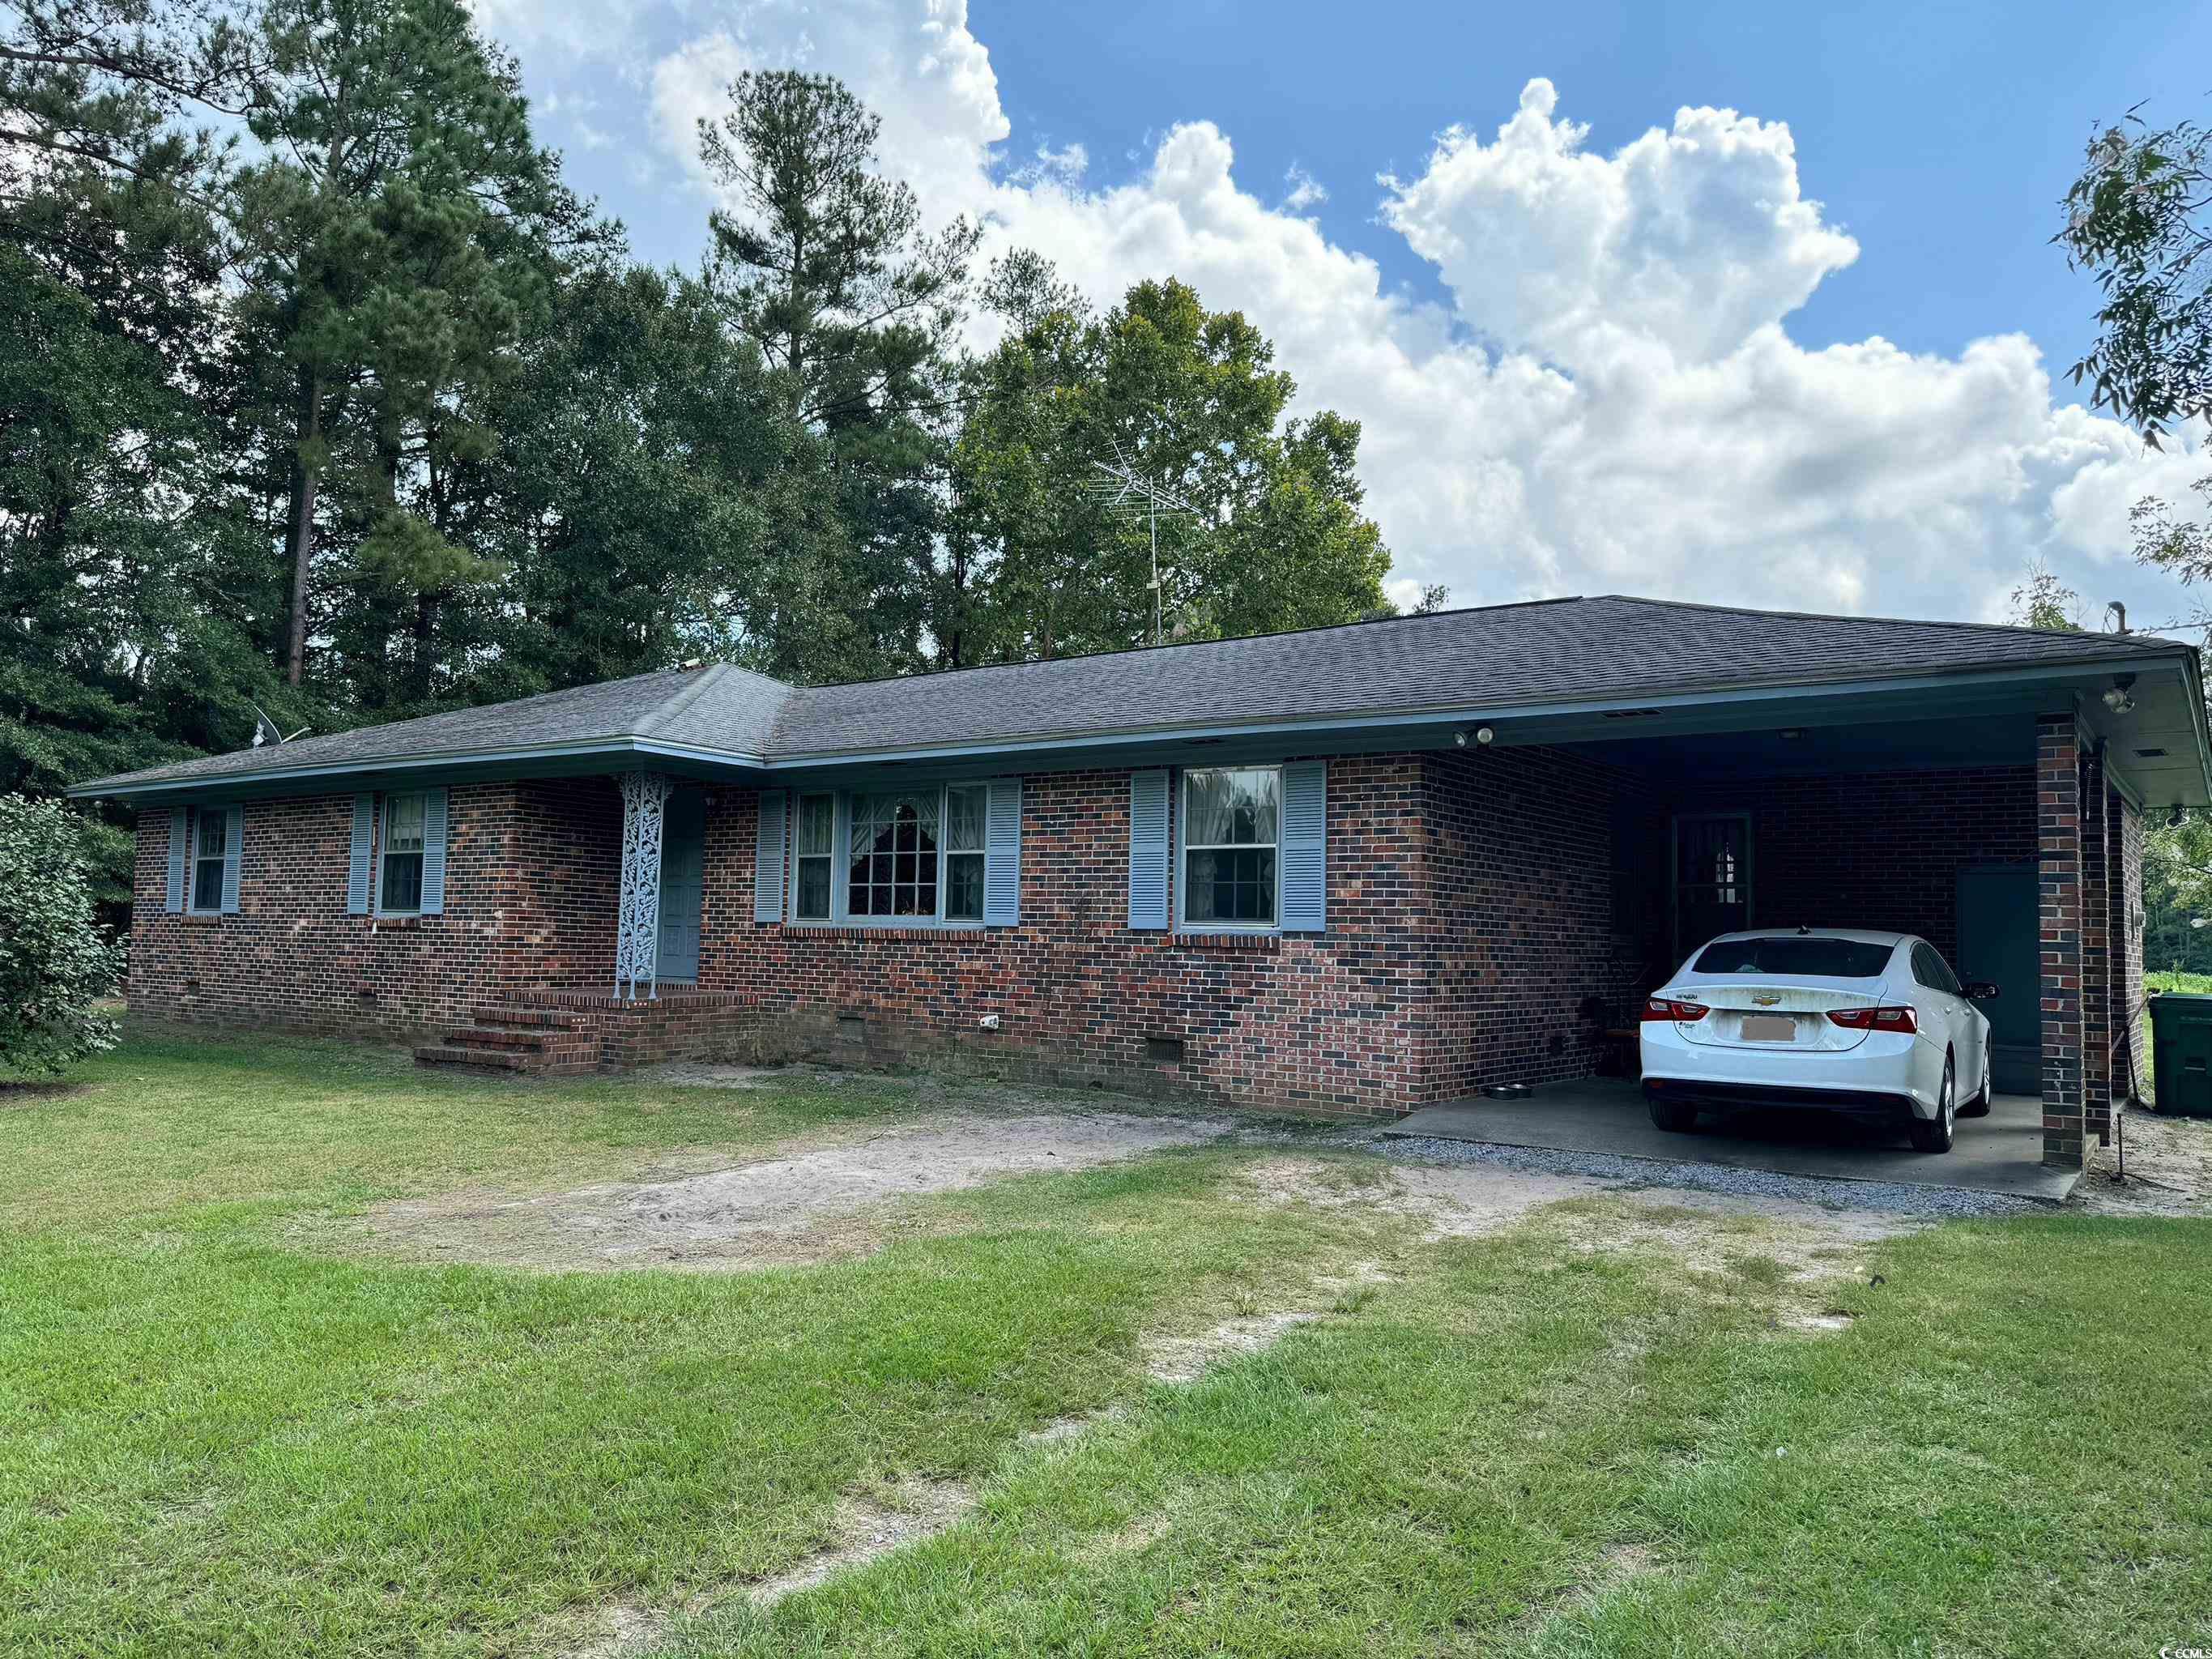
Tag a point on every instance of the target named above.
point(1519, 929)
point(1880, 850)
point(2058, 817)
point(2135, 1020)
point(531, 873)
point(1302, 1022)
point(1473, 907)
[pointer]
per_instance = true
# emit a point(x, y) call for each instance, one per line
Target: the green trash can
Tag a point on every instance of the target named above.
point(2181, 1053)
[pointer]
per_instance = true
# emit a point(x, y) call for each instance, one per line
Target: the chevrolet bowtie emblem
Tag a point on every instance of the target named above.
point(1766, 1002)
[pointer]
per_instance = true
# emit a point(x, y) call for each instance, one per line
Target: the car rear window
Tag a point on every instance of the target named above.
point(1808, 958)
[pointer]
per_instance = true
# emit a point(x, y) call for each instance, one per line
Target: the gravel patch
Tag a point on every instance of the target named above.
point(823, 1203)
point(1890, 1197)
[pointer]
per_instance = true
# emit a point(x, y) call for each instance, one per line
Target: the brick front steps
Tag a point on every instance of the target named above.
point(555, 1033)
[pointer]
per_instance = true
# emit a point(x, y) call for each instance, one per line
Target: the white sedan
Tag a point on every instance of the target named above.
point(1873, 1024)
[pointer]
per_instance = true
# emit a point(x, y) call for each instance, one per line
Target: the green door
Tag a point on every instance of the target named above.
point(1999, 939)
point(683, 872)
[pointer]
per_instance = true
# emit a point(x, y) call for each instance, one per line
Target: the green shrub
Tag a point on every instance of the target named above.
point(56, 962)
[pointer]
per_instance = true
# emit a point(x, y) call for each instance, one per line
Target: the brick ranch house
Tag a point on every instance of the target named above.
point(1350, 870)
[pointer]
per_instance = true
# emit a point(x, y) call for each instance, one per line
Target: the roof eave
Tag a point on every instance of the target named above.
point(1457, 712)
point(271, 778)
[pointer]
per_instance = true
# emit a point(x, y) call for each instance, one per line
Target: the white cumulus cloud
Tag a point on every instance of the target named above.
point(1607, 399)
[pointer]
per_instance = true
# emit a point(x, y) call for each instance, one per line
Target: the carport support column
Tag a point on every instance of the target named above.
point(2058, 840)
point(2097, 936)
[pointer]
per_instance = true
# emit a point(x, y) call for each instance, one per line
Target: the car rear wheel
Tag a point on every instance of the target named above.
point(1934, 1134)
point(1676, 1116)
point(1979, 1105)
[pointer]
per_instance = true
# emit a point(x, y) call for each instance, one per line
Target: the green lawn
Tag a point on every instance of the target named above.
point(217, 1437)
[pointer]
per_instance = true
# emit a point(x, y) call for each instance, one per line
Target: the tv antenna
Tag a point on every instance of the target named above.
point(266, 731)
point(1122, 489)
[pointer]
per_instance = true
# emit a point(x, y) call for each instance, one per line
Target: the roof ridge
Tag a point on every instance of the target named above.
point(1192, 645)
point(682, 697)
point(1909, 622)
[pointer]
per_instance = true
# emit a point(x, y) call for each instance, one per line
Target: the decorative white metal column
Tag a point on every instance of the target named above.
point(638, 931)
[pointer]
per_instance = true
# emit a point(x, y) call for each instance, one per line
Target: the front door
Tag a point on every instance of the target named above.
point(682, 880)
point(1712, 877)
point(2000, 940)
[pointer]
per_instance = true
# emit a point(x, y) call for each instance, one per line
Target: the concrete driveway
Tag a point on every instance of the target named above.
point(2002, 1153)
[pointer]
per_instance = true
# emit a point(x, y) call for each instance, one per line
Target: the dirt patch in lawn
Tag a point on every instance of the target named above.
point(823, 1203)
point(2168, 1169)
point(19, 1096)
point(1470, 1201)
point(866, 1528)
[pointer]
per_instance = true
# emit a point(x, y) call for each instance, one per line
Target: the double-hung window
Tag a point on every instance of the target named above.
point(814, 856)
point(399, 878)
point(963, 852)
point(1231, 833)
point(211, 849)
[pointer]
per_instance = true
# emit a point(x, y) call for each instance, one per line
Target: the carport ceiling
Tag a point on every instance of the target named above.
point(1815, 750)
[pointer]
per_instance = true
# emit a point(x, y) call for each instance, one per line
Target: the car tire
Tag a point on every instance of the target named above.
point(1676, 1116)
point(1979, 1105)
point(1934, 1134)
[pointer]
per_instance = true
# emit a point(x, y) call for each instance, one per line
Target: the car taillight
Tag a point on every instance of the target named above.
point(1661, 1008)
point(1875, 1019)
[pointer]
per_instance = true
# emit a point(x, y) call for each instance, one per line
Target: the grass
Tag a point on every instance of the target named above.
point(2158, 980)
point(213, 1440)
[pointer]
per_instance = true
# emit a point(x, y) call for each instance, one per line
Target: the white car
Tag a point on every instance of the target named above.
point(1873, 1024)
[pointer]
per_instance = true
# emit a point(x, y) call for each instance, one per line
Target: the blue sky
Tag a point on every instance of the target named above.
point(1593, 346)
point(1940, 135)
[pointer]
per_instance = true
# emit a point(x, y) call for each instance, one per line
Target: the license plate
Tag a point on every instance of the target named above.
point(1769, 1028)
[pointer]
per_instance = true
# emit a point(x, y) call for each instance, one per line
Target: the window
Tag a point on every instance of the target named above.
point(1231, 820)
point(815, 852)
point(1932, 971)
point(210, 845)
point(1806, 957)
point(892, 870)
point(399, 885)
point(963, 852)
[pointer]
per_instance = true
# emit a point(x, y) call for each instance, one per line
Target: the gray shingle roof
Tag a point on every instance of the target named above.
point(717, 706)
point(1545, 651)
point(1551, 651)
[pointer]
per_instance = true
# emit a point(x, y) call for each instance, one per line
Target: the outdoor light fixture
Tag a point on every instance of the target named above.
point(2117, 699)
point(1484, 734)
point(2173, 818)
point(1459, 739)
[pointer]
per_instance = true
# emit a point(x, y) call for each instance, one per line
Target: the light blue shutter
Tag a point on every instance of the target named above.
point(767, 857)
point(233, 835)
point(364, 832)
point(1305, 837)
point(1002, 855)
point(1148, 850)
point(179, 829)
point(433, 852)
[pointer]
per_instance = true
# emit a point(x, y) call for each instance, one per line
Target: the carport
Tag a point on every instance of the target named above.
point(1997, 812)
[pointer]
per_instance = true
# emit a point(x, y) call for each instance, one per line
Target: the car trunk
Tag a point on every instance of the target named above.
point(1776, 1013)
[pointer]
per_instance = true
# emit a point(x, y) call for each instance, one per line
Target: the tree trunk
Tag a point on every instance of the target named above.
point(299, 525)
point(426, 632)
